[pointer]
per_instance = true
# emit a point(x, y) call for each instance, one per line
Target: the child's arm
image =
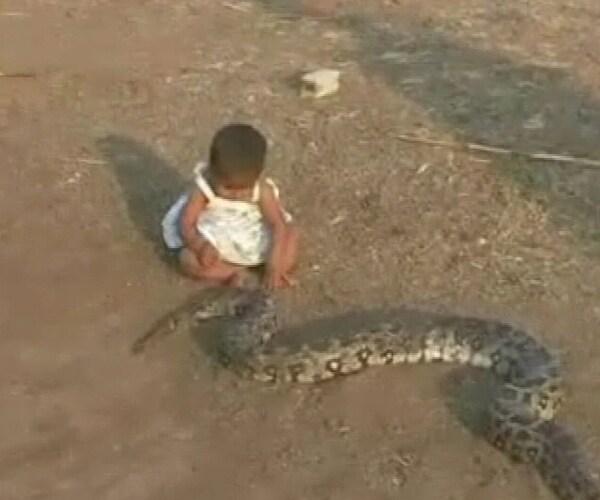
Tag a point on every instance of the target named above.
point(192, 239)
point(274, 215)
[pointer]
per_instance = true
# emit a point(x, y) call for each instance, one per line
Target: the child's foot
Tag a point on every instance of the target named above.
point(289, 280)
point(218, 274)
point(243, 278)
point(209, 281)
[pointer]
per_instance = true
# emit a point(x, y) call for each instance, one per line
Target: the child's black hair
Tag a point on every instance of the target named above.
point(237, 153)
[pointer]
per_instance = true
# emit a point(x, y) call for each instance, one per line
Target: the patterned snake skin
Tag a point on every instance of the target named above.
point(521, 416)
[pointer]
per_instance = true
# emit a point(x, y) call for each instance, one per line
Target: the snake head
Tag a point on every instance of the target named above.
point(254, 321)
point(252, 303)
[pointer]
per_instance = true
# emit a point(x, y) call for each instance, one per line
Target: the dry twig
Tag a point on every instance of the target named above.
point(17, 75)
point(238, 7)
point(482, 148)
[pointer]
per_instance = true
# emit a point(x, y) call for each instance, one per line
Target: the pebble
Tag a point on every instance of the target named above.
point(320, 83)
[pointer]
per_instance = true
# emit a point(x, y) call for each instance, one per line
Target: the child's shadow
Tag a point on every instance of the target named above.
point(149, 185)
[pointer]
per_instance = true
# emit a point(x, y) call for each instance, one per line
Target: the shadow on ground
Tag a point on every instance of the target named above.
point(485, 97)
point(470, 393)
point(149, 184)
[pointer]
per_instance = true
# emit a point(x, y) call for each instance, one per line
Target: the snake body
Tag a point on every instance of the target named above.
point(521, 415)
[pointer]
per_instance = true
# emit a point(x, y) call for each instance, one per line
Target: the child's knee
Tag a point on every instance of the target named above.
point(192, 265)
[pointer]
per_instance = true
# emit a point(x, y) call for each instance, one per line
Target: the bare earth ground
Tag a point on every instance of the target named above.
point(94, 147)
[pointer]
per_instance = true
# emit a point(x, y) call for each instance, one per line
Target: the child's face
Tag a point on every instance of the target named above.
point(235, 189)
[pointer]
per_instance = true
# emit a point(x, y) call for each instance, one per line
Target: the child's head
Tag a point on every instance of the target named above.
point(237, 155)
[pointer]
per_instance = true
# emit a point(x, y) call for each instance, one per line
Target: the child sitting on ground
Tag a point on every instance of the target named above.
point(232, 220)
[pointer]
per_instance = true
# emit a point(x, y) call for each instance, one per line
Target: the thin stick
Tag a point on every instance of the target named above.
point(233, 6)
point(87, 161)
point(300, 16)
point(502, 151)
point(17, 75)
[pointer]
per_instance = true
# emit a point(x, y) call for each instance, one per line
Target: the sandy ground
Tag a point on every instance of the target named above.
point(122, 101)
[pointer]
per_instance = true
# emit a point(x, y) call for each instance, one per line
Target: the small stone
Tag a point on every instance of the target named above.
point(320, 83)
point(183, 435)
point(337, 219)
point(423, 168)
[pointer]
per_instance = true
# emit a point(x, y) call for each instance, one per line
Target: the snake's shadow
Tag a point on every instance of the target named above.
point(469, 393)
point(207, 337)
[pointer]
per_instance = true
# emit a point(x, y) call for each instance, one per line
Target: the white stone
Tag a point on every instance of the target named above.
point(320, 83)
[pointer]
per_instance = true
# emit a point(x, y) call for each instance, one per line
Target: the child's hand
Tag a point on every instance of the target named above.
point(206, 254)
point(275, 278)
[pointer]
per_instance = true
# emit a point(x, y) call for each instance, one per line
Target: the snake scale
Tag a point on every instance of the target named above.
point(520, 418)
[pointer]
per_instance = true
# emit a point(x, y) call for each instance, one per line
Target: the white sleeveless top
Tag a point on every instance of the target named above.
point(236, 228)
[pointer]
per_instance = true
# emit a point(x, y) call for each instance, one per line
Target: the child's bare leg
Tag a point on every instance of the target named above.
point(219, 273)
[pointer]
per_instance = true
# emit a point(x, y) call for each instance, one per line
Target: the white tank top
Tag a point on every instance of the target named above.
point(236, 228)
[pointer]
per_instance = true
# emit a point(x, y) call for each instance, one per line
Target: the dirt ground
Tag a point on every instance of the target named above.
point(120, 102)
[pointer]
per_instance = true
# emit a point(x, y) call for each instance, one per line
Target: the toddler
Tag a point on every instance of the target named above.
point(232, 219)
